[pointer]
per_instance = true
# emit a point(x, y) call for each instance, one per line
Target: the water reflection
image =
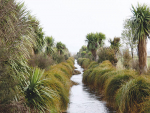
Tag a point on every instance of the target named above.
point(82, 99)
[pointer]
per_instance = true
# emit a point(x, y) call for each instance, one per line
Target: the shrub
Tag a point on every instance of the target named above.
point(126, 59)
point(135, 64)
point(107, 54)
point(40, 60)
point(58, 58)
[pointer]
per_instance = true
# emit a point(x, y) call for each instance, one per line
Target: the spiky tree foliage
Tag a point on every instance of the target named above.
point(115, 44)
point(50, 44)
point(94, 41)
point(39, 35)
point(60, 47)
point(83, 53)
point(141, 24)
point(38, 93)
point(16, 38)
point(83, 48)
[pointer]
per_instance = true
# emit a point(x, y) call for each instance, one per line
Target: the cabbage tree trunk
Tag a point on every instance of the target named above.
point(94, 53)
point(142, 53)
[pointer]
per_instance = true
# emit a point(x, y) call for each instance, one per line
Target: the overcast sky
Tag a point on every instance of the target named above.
point(69, 21)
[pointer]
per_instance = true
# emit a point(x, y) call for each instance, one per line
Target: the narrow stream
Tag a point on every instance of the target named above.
point(82, 100)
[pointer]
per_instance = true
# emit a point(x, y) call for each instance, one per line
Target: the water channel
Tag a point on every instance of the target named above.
point(82, 100)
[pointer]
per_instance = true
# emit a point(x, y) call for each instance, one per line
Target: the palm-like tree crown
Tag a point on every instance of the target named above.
point(60, 47)
point(95, 40)
point(141, 21)
point(141, 25)
point(50, 44)
point(50, 41)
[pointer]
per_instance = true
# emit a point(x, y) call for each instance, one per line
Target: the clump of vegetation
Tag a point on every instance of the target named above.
point(107, 53)
point(37, 92)
point(131, 95)
point(141, 27)
point(94, 40)
point(24, 86)
point(126, 59)
point(123, 89)
point(40, 60)
point(84, 53)
point(49, 90)
point(17, 38)
point(114, 83)
point(115, 44)
point(116, 86)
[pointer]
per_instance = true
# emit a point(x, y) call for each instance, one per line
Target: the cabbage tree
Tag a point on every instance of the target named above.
point(141, 24)
point(94, 40)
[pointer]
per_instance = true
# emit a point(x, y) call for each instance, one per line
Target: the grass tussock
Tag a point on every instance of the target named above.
point(131, 96)
point(92, 64)
point(115, 82)
point(85, 63)
point(56, 82)
point(61, 74)
point(124, 90)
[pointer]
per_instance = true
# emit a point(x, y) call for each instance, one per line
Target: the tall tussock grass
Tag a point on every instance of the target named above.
point(91, 75)
point(49, 91)
point(59, 76)
point(115, 82)
point(124, 90)
point(131, 96)
point(92, 64)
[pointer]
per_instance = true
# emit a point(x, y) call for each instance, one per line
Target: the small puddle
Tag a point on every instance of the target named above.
point(82, 100)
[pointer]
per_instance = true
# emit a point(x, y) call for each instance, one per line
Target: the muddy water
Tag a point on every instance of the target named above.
point(82, 100)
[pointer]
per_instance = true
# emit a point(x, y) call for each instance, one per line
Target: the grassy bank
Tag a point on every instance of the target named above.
point(124, 90)
point(49, 91)
point(60, 84)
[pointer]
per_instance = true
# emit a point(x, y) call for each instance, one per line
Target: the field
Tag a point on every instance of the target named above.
point(120, 65)
point(148, 61)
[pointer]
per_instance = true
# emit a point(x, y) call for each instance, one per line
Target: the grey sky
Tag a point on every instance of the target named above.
point(69, 21)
